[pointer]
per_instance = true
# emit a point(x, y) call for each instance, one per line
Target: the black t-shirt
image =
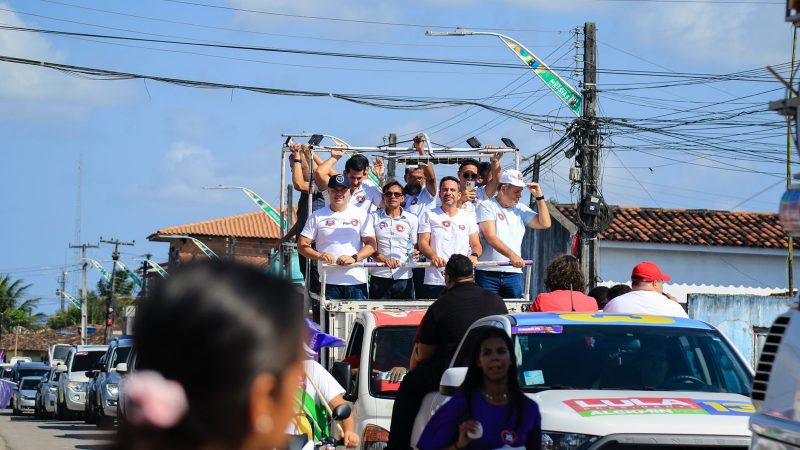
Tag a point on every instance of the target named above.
point(448, 318)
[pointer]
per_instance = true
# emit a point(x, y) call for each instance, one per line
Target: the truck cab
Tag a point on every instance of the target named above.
point(776, 387)
point(379, 340)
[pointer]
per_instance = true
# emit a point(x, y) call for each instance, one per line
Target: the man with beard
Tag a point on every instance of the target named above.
point(446, 231)
point(363, 193)
point(420, 196)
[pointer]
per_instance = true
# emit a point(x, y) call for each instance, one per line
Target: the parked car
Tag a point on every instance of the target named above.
point(26, 369)
point(585, 371)
point(7, 371)
point(379, 340)
point(72, 379)
point(22, 359)
point(123, 370)
point(91, 388)
point(25, 395)
point(101, 402)
point(776, 389)
point(46, 396)
point(57, 353)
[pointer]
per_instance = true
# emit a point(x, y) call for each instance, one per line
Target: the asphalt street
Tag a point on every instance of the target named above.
point(27, 433)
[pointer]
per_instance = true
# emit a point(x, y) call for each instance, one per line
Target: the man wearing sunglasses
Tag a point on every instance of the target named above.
point(396, 232)
point(468, 177)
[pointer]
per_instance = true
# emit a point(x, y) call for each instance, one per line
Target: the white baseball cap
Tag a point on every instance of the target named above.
point(512, 177)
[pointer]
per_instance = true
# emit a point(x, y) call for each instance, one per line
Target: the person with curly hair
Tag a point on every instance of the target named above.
point(565, 281)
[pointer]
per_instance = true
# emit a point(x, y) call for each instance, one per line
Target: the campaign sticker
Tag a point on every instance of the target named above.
point(414, 202)
point(462, 227)
point(400, 228)
point(330, 223)
point(533, 377)
point(723, 408)
point(501, 216)
point(361, 198)
point(508, 437)
point(383, 225)
point(591, 407)
point(354, 222)
point(81, 353)
point(537, 329)
point(446, 223)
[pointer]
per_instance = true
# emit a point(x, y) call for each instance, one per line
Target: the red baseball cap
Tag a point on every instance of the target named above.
point(648, 271)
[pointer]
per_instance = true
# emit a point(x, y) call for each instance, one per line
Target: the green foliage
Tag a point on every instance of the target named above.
point(123, 286)
point(66, 318)
point(16, 306)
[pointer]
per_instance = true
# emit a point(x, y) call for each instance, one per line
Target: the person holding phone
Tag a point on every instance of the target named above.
point(468, 176)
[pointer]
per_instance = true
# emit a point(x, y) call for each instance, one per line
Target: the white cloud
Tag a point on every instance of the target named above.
point(37, 93)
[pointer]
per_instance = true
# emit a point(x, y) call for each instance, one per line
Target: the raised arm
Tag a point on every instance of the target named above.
point(491, 186)
point(322, 173)
point(299, 166)
point(427, 167)
point(542, 219)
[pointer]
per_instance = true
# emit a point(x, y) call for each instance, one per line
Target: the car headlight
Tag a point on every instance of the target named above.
point(77, 386)
point(112, 389)
point(556, 440)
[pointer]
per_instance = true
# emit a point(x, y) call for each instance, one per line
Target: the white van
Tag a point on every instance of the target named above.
point(776, 387)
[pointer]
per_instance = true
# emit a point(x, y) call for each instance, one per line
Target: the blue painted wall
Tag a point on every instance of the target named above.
point(737, 316)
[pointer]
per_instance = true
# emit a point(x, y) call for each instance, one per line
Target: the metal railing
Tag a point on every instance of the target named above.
point(323, 275)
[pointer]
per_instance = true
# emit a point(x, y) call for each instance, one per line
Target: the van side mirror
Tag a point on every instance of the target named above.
point(122, 367)
point(452, 380)
point(61, 368)
point(341, 372)
point(90, 374)
point(341, 412)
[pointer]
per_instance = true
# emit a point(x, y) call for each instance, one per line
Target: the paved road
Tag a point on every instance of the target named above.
point(27, 433)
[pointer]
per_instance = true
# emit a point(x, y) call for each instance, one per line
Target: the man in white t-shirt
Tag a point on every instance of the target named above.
point(364, 193)
point(343, 234)
point(472, 194)
point(445, 231)
point(396, 233)
point(647, 296)
point(420, 196)
point(502, 221)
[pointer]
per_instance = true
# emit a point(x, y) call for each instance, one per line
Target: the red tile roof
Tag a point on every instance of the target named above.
point(41, 339)
point(250, 225)
point(691, 227)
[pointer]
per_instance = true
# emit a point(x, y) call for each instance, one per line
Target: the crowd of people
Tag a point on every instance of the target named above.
point(252, 325)
point(479, 215)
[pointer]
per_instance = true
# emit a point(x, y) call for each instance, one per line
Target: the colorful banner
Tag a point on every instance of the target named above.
point(72, 299)
point(592, 407)
point(158, 268)
point(571, 97)
point(204, 248)
point(130, 273)
point(97, 266)
point(266, 207)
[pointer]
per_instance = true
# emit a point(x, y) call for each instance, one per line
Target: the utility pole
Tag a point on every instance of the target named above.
point(62, 283)
point(84, 294)
point(145, 265)
point(391, 165)
point(590, 203)
point(110, 299)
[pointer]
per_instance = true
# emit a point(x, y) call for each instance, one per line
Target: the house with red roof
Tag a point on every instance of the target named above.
point(704, 251)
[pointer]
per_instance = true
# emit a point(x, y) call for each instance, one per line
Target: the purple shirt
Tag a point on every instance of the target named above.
point(499, 428)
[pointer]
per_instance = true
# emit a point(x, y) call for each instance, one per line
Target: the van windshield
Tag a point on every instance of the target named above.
point(29, 385)
point(60, 352)
point(38, 372)
point(84, 361)
point(628, 358)
point(391, 347)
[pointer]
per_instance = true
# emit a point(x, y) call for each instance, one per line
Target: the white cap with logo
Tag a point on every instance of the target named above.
point(512, 177)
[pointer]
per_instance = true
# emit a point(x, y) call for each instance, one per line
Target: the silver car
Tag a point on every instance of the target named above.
point(25, 395)
point(46, 396)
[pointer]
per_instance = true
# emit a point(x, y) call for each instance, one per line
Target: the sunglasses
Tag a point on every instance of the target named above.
point(392, 194)
point(470, 175)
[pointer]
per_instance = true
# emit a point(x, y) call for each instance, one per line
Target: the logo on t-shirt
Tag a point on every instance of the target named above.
point(415, 201)
point(361, 198)
point(446, 223)
point(462, 227)
point(383, 225)
point(354, 222)
point(508, 437)
point(400, 228)
point(501, 216)
point(330, 223)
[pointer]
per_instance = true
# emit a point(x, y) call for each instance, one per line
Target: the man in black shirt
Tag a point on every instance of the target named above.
point(444, 325)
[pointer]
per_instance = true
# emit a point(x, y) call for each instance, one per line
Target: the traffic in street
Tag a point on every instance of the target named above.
point(27, 432)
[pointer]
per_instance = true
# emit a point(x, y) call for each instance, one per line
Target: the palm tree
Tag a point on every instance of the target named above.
point(16, 309)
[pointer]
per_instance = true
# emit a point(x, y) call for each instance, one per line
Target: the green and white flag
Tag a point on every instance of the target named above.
point(571, 97)
point(266, 207)
point(97, 266)
point(204, 248)
point(72, 299)
point(130, 273)
point(158, 268)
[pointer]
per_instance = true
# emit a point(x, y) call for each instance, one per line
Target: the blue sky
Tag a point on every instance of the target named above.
point(149, 148)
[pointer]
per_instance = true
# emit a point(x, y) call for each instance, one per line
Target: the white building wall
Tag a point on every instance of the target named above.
point(694, 269)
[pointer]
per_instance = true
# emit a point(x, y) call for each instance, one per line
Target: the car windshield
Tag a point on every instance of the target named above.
point(120, 355)
point(7, 374)
point(84, 361)
point(29, 385)
point(391, 347)
point(33, 372)
point(628, 358)
point(60, 352)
